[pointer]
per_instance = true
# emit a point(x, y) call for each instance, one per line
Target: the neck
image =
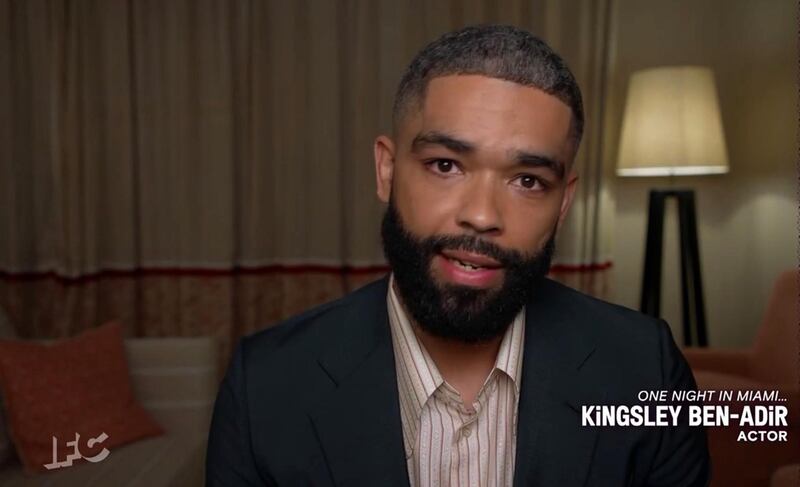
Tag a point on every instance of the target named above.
point(456, 359)
point(465, 366)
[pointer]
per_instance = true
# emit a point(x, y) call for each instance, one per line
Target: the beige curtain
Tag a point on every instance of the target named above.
point(580, 31)
point(188, 166)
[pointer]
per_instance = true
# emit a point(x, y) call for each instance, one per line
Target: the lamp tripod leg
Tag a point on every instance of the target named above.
point(694, 320)
point(650, 303)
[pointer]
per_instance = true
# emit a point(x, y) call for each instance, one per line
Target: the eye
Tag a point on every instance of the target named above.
point(530, 182)
point(443, 166)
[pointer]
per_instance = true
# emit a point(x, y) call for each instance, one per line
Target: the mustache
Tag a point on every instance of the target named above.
point(472, 243)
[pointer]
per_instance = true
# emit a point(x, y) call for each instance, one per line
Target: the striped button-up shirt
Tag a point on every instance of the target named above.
point(446, 443)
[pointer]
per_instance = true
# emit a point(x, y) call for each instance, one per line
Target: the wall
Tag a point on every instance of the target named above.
point(747, 218)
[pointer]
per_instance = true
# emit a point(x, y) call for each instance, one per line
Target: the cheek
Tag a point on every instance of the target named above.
point(529, 226)
point(426, 207)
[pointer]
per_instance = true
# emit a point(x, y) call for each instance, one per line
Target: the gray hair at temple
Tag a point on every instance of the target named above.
point(496, 51)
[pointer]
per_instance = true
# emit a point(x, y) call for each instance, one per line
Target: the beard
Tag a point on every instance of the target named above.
point(456, 312)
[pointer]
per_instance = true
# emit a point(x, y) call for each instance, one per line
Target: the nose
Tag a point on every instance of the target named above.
point(479, 211)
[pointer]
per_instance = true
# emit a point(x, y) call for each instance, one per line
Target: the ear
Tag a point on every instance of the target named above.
point(384, 166)
point(569, 195)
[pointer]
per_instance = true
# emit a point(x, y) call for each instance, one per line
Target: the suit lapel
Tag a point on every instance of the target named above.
point(552, 446)
point(358, 423)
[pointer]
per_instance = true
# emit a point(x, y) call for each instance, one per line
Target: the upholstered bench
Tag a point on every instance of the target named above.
point(176, 380)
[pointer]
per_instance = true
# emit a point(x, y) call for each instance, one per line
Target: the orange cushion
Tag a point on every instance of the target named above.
point(79, 385)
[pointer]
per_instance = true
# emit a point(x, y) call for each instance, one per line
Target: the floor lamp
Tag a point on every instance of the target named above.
point(672, 127)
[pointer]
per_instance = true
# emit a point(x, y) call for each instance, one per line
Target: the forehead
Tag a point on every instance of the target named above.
point(494, 113)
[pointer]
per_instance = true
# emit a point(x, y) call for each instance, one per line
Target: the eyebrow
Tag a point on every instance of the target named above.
point(536, 160)
point(443, 139)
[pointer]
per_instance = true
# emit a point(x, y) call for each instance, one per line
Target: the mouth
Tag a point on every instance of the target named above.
point(470, 260)
point(468, 268)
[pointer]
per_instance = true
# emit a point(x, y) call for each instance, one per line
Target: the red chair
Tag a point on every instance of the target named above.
point(772, 363)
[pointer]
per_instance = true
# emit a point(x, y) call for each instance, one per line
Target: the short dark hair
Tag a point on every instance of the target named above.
point(497, 51)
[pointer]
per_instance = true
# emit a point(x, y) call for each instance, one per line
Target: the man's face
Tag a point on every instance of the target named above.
point(478, 180)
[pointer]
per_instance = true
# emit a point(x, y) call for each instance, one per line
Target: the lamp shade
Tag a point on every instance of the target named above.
point(672, 125)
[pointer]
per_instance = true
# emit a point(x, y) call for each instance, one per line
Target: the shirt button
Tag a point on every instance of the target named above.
point(467, 431)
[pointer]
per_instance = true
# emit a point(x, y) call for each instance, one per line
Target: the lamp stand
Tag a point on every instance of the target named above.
point(694, 319)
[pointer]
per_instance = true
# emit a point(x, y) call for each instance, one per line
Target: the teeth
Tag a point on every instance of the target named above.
point(465, 265)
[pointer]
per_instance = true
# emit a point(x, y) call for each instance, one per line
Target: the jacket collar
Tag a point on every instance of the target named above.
point(358, 423)
point(555, 384)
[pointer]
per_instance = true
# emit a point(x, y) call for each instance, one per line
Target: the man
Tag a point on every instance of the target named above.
point(465, 366)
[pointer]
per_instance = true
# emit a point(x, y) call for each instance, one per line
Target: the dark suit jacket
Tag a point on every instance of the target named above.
point(314, 401)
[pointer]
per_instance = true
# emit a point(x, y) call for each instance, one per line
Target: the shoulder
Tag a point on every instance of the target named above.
point(597, 315)
point(311, 332)
point(626, 342)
